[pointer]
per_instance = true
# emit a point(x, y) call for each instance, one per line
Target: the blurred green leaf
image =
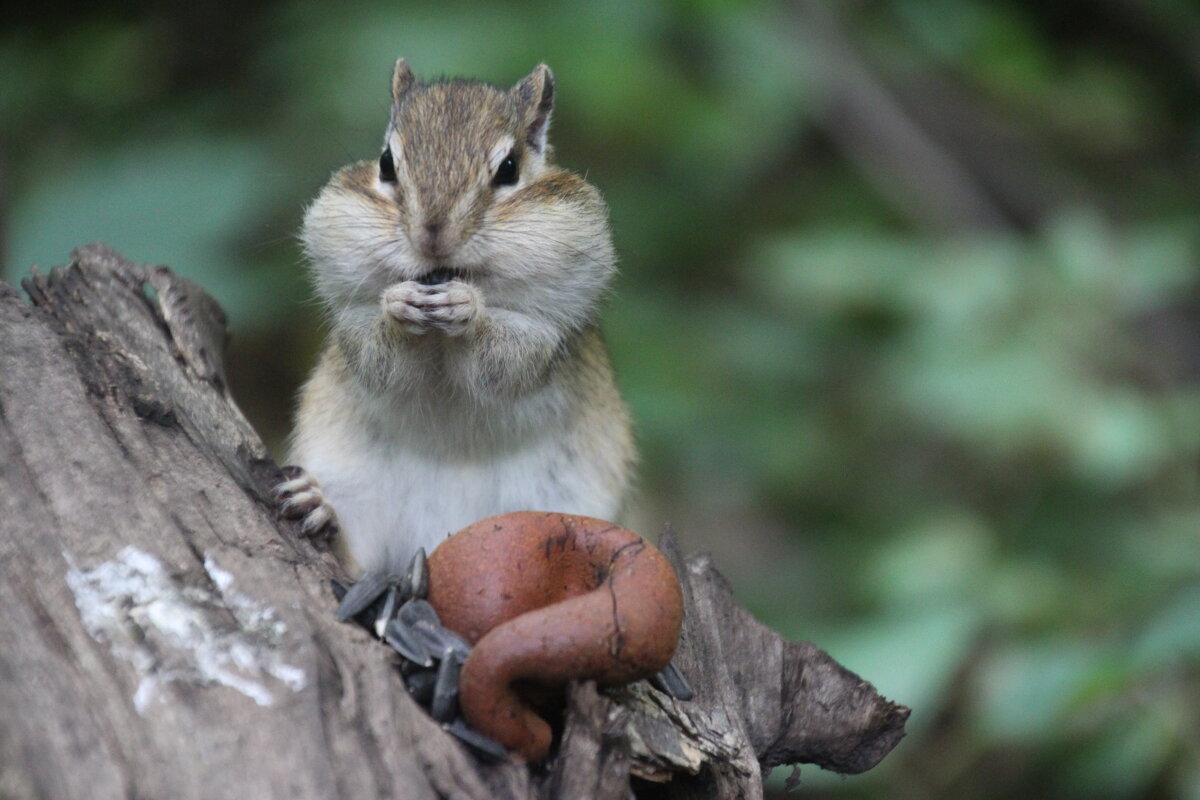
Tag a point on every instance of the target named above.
point(1124, 760)
point(944, 559)
point(181, 203)
point(1028, 689)
point(1172, 635)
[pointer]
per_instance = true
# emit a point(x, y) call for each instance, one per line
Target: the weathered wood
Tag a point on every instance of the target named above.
point(167, 635)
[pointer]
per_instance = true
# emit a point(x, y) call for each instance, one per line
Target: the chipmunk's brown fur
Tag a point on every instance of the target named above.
point(464, 375)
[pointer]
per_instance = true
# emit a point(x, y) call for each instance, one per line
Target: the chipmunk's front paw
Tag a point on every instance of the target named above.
point(454, 307)
point(300, 497)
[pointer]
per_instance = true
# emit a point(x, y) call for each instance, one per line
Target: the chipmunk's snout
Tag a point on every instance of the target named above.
point(432, 240)
point(436, 237)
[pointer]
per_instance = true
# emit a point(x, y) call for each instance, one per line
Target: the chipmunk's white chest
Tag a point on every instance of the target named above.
point(392, 498)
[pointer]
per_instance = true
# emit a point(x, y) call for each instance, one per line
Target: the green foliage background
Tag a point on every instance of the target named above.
point(909, 314)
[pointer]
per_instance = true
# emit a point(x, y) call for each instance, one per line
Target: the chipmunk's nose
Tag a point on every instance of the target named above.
point(433, 241)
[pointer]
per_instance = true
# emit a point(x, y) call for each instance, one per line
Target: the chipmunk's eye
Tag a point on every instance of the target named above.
point(387, 167)
point(507, 172)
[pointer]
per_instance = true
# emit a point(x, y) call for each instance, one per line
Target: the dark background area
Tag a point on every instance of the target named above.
point(908, 313)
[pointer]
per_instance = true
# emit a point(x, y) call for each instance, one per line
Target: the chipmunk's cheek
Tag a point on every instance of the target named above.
point(508, 206)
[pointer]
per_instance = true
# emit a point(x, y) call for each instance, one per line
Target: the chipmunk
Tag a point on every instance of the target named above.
point(464, 373)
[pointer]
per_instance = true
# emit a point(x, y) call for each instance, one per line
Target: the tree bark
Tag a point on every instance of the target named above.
point(166, 634)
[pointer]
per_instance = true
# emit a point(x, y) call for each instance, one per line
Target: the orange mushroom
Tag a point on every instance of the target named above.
point(546, 598)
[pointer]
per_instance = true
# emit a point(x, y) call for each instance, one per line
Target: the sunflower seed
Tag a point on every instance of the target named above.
point(671, 681)
point(402, 640)
point(476, 740)
point(445, 689)
point(362, 594)
point(420, 686)
point(418, 574)
point(387, 610)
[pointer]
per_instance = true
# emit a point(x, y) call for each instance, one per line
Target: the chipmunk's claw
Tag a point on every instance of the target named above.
point(300, 497)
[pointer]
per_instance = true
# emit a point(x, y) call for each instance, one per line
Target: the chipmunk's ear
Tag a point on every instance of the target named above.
point(402, 80)
point(535, 99)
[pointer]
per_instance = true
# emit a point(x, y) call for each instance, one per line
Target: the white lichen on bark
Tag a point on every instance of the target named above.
point(169, 630)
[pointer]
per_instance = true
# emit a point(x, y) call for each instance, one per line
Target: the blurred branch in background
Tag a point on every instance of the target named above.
point(908, 316)
point(857, 111)
point(1165, 33)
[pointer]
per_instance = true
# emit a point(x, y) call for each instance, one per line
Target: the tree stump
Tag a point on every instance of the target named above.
point(166, 634)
